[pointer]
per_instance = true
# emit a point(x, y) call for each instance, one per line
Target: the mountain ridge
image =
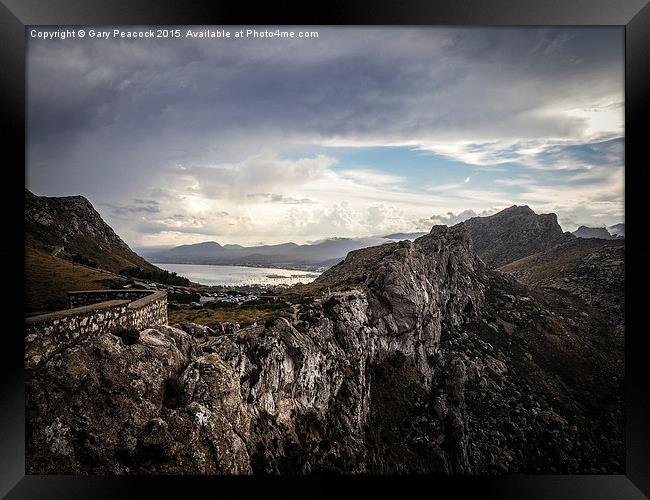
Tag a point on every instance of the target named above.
point(514, 233)
point(70, 227)
point(290, 254)
point(511, 234)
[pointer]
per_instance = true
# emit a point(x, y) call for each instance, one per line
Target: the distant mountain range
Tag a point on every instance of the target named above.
point(315, 256)
point(504, 237)
point(516, 240)
point(70, 228)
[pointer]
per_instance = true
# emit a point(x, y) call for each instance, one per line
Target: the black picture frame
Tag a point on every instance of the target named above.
point(15, 15)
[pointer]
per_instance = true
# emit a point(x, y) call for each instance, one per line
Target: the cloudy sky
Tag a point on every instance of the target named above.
point(358, 132)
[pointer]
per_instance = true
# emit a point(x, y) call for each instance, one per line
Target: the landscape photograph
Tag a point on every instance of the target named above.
point(320, 250)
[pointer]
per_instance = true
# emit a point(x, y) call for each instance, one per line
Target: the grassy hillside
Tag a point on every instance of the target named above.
point(243, 314)
point(48, 279)
point(69, 247)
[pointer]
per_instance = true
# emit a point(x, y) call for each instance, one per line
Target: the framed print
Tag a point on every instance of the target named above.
point(380, 245)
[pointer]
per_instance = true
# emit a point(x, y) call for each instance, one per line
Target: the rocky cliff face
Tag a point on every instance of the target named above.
point(410, 357)
point(64, 226)
point(514, 233)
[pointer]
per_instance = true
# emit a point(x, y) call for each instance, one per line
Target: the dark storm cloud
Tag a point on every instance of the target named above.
point(82, 85)
point(348, 83)
point(136, 207)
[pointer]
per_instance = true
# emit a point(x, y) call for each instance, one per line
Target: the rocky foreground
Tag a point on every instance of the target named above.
point(410, 357)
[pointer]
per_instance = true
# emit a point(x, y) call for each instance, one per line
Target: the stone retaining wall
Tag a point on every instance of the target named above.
point(48, 333)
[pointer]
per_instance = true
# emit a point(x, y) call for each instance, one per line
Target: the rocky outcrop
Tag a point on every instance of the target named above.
point(593, 232)
point(413, 289)
point(408, 357)
point(513, 233)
